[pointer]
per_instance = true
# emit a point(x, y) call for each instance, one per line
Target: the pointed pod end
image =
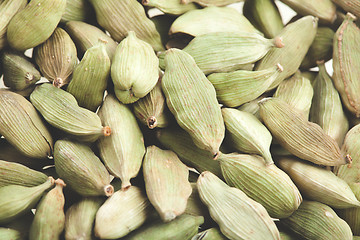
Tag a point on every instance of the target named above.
point(145, 2)
point(108, 190)
point(280, 67)
point(51, 180)
point(278, 42)
point(59, 182)
point(262, 101)
point(350, 16)
point(216, 155)
point(168, 216)
point(151, 122)
point(125, 185)
point(58, 82)
point(184, 1)
point(348, 159)
point(106, 131)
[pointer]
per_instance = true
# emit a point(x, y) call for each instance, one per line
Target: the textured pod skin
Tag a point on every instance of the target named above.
point(78, 10)
point(193, 101)
point(60, 109)
point(195, 206)
point(326, 107)
point(247, 134)
point(181, 143)
point(314, 220)
point(236, 88)
point(265, 16)
point(80, 217)
point(319, 184)
point(38, 14)
point(123, 151)
point(17, 200)
point(297, 91)
point(19, 72)
point(238, 216)
point(151, 110)
point(346, 64)
point(352, 6)
point(166, 182)
point(352, 215)
point(8, 233)
point(56, 57)
point(227, 51)
point(120, 17)
point(23, 127)
point(210, 20)
point(207, 3)
point(17, 174)
point(279, 195)
point(173, 7)
point(8, 8)
point(134, 69)
point(297, 38)
point(302, 138)
point(122, 213)
point(49, 220)
point(85, 36)
point(81, 169)
point(181, 228)
point(210, 234)
point(90, 77)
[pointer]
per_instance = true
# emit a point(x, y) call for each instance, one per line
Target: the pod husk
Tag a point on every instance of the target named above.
point(174, 7)
point(78, 10)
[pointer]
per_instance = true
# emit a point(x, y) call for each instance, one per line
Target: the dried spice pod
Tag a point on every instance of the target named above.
point(123, 151)
point(194, 205)
point(166, 182)
point(86, 36)
point(17, 174)
point(253, 106)
point(319, 184)
point(210, 234)
point(120, 17)
point(241, 86)
point(19, 73)
point(56, 57)
point(193, 101)
point(60, 109)
point(90, 77)
point(17, 200)
point(151, 110)
point(78, 10)
point(296, 38)
point(352, 6)
point(8, 8)
point(38, 14)
point(207, 3)
point(314, 220)
point(265, 16)
point(134, 69)
point(326, 107)
point(122, 213)
point(346, 64)
point(210, 20)
point(174, 7)
point(296, 134)
point(297, 91)
point(49, 220)
point(181, 143)
point(247, 134)
point(250, 174)
point(80, 217)
point(8, 233)
point(83, 171)
point(238, 216)
point(23, 127)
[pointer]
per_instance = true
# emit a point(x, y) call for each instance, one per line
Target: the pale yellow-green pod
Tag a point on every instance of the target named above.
point(174, 7)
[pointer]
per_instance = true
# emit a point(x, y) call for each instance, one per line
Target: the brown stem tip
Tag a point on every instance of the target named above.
point(106, 131)
point(108, 190)
point(278, 41)
point(151, 122)
point(216, 155)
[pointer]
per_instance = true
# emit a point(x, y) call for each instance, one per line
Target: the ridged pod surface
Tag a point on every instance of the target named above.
point(319, 184)
point(238, 216)
point(81, 169)
point(56, 57)
point(122, 152)
point(61, 110)
point(166, 182)
point(314, 220)
point(352, 215)
point(296, 134)
point(78, 10)
point(23, 127)
point(266, 184)
point(174, 7)
point(90, 77)
point(8, 233)
point(192, 99)
point(352, 6)
point(35, 23)
point(134, 70)
point(297, 38)
point(120, 17)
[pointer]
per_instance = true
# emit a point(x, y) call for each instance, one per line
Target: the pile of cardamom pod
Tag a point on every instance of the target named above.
point(196, 123)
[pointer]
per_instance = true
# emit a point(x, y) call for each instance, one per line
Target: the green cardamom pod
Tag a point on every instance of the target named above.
point(207, 3)
point(37, 14)
point(352, 6)
point(78, 10)
point(10, 234)
point(83, 171)
point(166, 182)
point(61, 110)
point(195, 206)
point(123, 151)
point(210, 234)
point(134, 70)
point(173, 7)
point(253, 106)
point(192, 99)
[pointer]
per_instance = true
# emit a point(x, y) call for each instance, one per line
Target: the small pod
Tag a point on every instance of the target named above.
point(81, 169)
point(166, 182)
point(352, 215)
point(49, 220)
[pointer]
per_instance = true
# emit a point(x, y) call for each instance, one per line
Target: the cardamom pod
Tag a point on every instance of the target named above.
point(192, 99)
point(210, 234)
point(195, 206)
point(207, 3)
point(8, 233)
point(352, 6)
point(174, 7)
point(78, 10)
